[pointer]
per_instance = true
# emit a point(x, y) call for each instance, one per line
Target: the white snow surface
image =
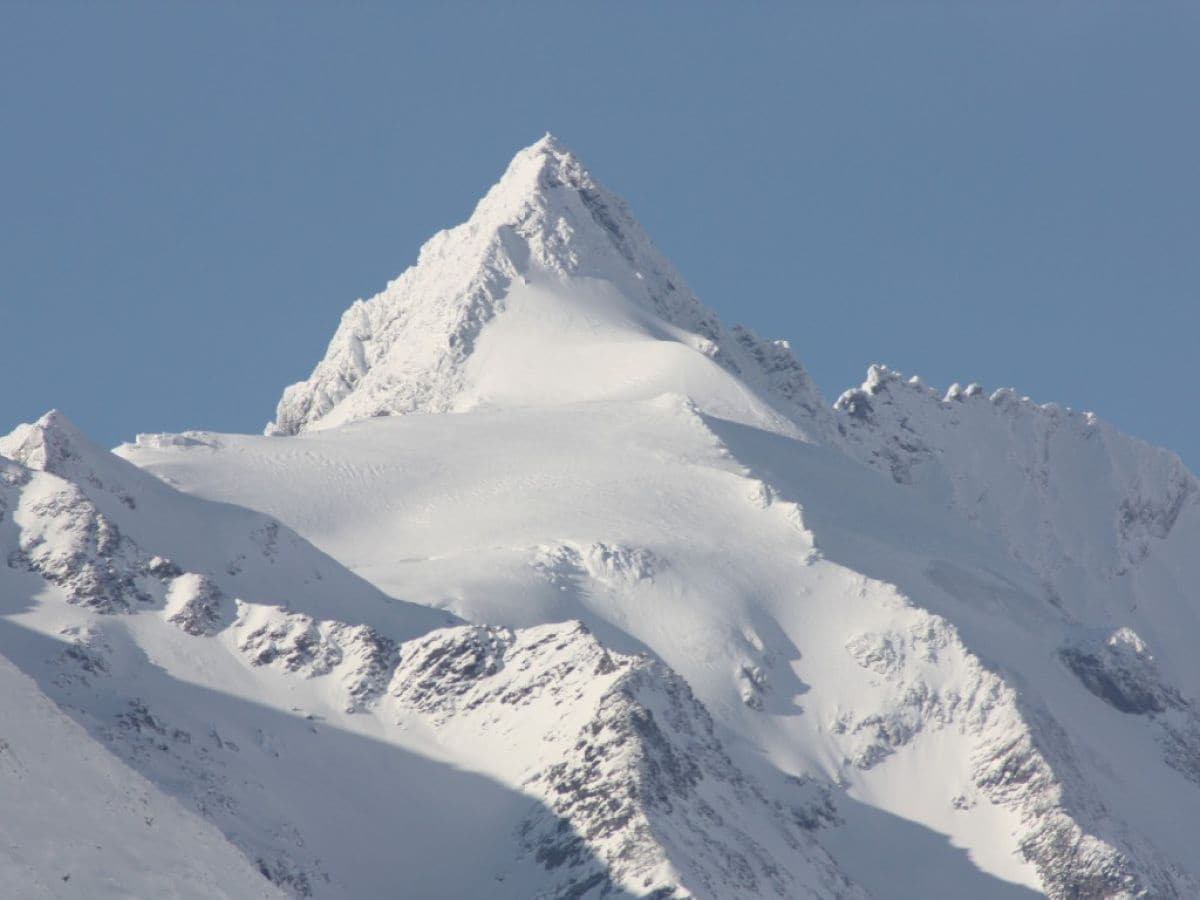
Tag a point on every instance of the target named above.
point(556, 587)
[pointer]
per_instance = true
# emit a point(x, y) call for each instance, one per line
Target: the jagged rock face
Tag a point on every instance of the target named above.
point(1012, 764)
point(547, 221)
point(1120, 671)
point(195, 604)
point(72, 545)
point(362, 659)
point(618, 748)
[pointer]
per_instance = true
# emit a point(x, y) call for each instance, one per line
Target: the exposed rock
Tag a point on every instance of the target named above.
point(195, 604)
point(71, 544)
point(1120, 671)
point(362, 659)
point(632, 766)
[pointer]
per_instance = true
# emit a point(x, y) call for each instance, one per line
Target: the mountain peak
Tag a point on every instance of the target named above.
point(550, 293)
point(540, 185)
point(537, 176)
point(548, 140)
point(547, 161)
point(47, 444)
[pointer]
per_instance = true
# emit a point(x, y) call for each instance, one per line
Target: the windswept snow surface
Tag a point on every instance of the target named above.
point(547, 584)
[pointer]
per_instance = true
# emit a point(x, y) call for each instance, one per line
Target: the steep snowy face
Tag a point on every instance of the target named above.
point(1086, 506)
point(550, 293)
point(1108, 523)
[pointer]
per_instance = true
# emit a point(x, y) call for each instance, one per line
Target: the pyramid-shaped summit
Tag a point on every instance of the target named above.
point(550, 293)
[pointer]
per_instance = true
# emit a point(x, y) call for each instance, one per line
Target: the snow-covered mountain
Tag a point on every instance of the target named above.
point(550, 293)
point(548, 584)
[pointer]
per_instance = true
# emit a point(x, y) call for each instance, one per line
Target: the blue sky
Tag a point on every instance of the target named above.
point(1008, 193)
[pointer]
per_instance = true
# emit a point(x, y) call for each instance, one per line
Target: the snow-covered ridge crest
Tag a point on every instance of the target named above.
point(112, 538)
point(1121, 494)
point(620, 748)
point(549, 224)
point(44, 444)
point(1106, 520)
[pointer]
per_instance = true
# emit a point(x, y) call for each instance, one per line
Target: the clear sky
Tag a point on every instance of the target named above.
point(1006, 192)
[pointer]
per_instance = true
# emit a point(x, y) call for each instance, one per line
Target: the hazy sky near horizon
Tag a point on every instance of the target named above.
point(1006, 193)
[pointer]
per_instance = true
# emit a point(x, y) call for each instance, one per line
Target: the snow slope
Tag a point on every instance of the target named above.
point(840, 629)
point(342, 743)
point(79, 823)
